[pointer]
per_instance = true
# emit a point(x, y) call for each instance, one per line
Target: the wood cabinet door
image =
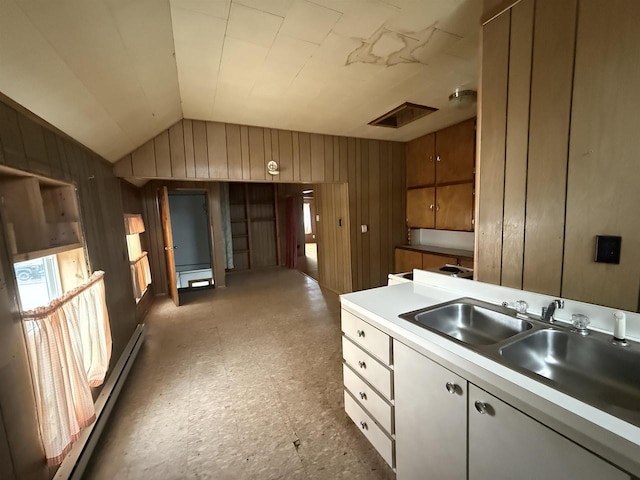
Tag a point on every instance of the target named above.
point(454, 207)
point(431, 418)
point(430, 260)
point(455, 152)
point(407, 260)
point(506, 443)
point(421, 166)
point(421, 207)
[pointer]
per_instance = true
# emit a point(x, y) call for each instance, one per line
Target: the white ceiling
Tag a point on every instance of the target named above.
point(114, 73)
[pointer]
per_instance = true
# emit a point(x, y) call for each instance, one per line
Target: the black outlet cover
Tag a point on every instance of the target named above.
point(608, 249)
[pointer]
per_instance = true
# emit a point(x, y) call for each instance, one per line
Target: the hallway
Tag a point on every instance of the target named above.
point(242, 382)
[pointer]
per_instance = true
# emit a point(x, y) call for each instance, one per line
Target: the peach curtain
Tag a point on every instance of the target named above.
point(140, 274)
point(69, 345)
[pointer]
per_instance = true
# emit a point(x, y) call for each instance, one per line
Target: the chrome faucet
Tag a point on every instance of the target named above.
point(547, 312)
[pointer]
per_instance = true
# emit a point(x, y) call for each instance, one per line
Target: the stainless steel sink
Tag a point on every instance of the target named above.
point(469, 321)
point(587, 368)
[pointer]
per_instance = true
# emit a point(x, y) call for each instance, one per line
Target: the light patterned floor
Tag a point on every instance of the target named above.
point(239, 383)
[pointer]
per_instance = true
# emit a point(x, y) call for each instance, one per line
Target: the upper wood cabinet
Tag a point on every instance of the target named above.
point(421, 165)
point(454, 207)
point(440, 178)
point(421, 207)
point(455, 152)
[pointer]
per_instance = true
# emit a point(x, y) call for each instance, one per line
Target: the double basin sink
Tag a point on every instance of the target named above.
point(588, 368)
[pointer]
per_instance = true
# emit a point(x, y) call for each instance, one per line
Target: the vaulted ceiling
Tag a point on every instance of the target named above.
point(114, 73)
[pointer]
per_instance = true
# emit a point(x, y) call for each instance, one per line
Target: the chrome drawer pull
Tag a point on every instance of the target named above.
point(360, 333)
point(363, 396)
point(481, 407)
point(362, 364)
point(452, 388)
point(364, 425)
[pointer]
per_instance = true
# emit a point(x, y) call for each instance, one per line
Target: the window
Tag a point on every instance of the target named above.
point(38, 281)
point(306, 210)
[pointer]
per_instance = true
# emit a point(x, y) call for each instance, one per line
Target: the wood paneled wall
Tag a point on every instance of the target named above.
point(28, 144)
point(374, 171)
point(558, 146)
point(193, 149)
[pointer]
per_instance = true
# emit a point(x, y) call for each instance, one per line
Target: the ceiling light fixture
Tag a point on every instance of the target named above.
point(462, 98)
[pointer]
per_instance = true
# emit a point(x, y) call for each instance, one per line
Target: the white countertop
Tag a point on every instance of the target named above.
point(609, 436)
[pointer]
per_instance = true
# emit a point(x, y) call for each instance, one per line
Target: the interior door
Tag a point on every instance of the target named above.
point(165, 218)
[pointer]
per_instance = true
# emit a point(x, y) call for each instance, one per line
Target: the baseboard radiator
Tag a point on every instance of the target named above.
point(75, 463)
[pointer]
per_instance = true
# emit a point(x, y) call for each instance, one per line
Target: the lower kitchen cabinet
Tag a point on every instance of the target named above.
point(506, 443)
point(368, 382)
point(431, 418)
point(407, 260)
point(439, 415)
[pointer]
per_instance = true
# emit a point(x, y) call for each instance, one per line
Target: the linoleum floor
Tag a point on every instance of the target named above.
point(243, 382)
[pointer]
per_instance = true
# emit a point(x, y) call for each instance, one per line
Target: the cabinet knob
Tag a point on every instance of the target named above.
point(437, 207)
point(362, 364)
point(364, 425)
point(431, 207)
point(452, 388)
point(363, 396)
point(481, 407)
point(360, 333)
point(438, 158)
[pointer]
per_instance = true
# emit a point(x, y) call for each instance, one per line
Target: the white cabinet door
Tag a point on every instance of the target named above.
point(504, 443)
point(431, 422)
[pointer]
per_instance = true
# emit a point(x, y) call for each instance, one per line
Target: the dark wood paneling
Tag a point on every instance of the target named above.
point(515, 182)
point(176, 145)
point(551, 84)
point(328, 159)
point(245, 154)
point(217, 150)
point(602, 192)
point(234, 151)
point(305, 157)
point(102, 212)
point(285, 145)
point(189, 157)
point(295, 139)
point(375, 200)
point(316, 144)
point(256, 153)
point(200, 150)
point(163, 155)
point(144, 160)
point(495, 48)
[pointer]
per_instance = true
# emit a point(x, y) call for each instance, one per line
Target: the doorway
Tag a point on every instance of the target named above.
point(309, 262)
point(186, 230)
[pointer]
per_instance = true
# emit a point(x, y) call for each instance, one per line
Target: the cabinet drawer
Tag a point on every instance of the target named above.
point(367, 367)
point(366, 396)
point(381, 442)
point(370, 338)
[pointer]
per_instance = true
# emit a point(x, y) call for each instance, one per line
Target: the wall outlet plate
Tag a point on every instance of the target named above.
point(608, 249)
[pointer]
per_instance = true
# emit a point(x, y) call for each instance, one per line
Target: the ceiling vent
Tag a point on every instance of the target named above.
point(400, 116)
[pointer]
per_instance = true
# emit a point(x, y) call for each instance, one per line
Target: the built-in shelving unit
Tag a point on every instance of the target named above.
point(253, 225)
point(40, 216)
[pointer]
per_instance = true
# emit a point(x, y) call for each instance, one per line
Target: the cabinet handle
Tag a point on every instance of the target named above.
point(481, 407)
point(363, 396)
point(431, 207)
point(437, 207)
point(360, 333)
point(438, 158)
point(362, 364)
point(364, 425)
point(452, 388)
